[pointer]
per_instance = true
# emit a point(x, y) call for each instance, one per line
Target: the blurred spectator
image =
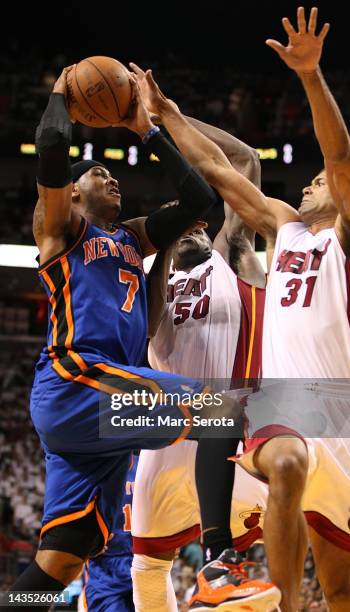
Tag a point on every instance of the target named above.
point(193, 555)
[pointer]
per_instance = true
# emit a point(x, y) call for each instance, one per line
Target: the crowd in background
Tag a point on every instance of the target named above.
point(254, 106)
point(260, 108)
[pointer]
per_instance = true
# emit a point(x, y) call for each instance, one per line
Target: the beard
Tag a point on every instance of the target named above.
point(190, 256)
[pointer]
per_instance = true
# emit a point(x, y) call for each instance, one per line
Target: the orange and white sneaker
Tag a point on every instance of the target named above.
point(224, 585)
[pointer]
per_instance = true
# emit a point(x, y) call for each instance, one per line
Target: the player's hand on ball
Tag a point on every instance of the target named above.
point(304, 48)
point(61, 84)
point(138, 119)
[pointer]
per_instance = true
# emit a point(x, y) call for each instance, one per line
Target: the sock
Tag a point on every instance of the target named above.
point(152, 585)
point(34, 579)
point(214, 479)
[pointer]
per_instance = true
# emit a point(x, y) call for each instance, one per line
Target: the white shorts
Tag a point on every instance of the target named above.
point(326, 499)
point(314, 408)
point(165, 510)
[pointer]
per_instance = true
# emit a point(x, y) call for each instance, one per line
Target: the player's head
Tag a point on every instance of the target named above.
point(317, 202)
point(95, 190)
point(192, 249)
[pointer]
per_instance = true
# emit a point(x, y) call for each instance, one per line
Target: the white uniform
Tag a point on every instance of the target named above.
point(307, 307)
point(206, 323)
point(192, 338)
point(307, 337)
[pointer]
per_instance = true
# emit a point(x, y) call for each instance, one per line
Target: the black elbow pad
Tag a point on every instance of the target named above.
point(166, 225)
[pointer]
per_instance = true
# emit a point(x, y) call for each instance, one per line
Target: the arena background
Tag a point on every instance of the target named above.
point(214, 63)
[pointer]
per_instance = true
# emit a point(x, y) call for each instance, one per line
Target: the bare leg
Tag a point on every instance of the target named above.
point(60, 565)
point(333, 572)
point(284, 462)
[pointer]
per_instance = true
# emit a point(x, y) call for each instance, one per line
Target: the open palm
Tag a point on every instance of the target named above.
point(304, 48)
point(150, 92)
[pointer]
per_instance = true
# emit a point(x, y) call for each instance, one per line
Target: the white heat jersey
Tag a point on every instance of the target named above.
point(306, 322)
point(199, 331)
point(211, 329)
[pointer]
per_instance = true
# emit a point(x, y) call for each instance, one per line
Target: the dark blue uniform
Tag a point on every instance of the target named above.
point(96, 341)
point(108, 584)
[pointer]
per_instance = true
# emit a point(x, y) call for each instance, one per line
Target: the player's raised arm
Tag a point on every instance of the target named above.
point(160, 229)
point(53, 222)
point(246, 161)
point(302, 54)
point(263, 214)
point(241, 156)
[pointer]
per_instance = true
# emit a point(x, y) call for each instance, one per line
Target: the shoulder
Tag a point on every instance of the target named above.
point(137, 226)
point(220, 263)
point(282, 212)
point(292, 228)
point(217, 258)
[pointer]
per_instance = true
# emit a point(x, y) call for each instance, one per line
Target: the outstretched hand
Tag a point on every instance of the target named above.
point(304, 48)
point(151, 93)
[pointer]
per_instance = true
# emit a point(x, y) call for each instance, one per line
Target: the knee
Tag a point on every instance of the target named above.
point(338, 595)
point(288, 473)
point(152, 586)
point(167, 555)
point(161, 560)
point(61, 566)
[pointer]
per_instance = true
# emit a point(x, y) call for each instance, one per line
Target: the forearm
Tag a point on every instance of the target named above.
point(243, 157)
point(157, 286)
point(329, 125)
point(196, 196)
point(52, 139)
point(195, 146)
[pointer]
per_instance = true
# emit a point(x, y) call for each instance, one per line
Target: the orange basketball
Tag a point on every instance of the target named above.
point(99, 91)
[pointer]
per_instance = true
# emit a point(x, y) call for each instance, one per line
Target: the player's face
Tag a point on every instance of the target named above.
point(194, 247)
point(317, 200)
point(100, 192)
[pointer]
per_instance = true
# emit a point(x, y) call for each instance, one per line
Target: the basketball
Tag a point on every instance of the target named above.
point(99, 91)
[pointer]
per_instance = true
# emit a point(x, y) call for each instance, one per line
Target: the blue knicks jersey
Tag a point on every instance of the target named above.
point(97, 295)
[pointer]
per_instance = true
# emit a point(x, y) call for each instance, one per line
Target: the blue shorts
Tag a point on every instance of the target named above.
point(108, 586)
point(70, 406)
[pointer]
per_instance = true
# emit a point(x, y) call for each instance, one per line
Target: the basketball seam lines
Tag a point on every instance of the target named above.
point(85, 100)
point(112, 92)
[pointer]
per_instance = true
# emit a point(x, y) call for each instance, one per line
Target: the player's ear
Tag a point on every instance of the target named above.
point(75, 193)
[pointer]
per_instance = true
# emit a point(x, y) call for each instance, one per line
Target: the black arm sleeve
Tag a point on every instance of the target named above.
point(52, 138)
point(195, 194)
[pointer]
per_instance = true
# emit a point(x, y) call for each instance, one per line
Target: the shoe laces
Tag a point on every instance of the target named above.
point(238, 570)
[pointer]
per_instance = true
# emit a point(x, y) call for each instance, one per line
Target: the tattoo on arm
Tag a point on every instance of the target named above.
point(38, 220)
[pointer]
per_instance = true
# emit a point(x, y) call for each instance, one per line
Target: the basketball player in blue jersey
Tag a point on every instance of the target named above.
point(108, 585)
point(92, 272)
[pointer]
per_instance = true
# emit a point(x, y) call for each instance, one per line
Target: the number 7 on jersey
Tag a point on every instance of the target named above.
point(128, 278)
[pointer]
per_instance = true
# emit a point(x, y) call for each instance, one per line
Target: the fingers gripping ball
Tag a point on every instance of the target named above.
point(99, 91)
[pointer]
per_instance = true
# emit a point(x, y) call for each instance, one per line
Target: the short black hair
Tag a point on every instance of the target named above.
point(79, 168)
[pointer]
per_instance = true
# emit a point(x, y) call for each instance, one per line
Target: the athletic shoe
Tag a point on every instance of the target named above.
point(224, 585)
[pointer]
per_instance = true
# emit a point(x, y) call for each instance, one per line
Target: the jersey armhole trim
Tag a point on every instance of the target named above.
point(134, 233)
point(347, 257)
point(69, 249)
point(289, 223)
